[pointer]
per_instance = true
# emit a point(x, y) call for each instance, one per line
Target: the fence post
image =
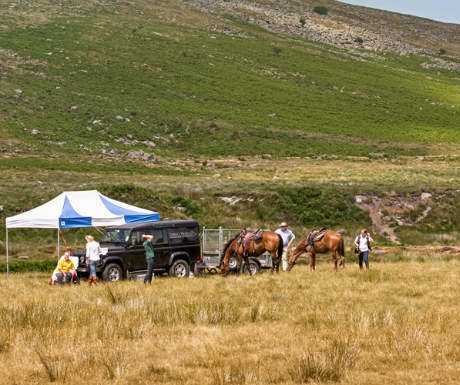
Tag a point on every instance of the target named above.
point(204, 239)
point(220, 240)
point(7, 256)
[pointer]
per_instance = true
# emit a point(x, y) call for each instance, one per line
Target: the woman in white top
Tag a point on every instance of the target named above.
point(93, 252)
point(363, 242)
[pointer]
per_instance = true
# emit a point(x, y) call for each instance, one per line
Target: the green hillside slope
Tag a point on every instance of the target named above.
point(146, 102)
point(89, 79)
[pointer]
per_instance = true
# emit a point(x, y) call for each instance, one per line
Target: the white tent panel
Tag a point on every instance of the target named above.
point(80, 209)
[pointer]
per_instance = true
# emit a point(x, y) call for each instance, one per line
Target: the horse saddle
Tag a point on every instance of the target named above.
point(257, 235)
point(319, 235)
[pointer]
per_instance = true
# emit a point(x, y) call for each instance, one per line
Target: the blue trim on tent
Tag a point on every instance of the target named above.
point(117, 210)
point(70, 218)
point(142, 218)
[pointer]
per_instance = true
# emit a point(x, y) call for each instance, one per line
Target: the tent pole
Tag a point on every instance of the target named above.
point(7, 256)
point(58, 244)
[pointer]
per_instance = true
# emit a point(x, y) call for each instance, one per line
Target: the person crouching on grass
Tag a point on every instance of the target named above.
point(66, 269)
point(149, 254)
point(93, 253)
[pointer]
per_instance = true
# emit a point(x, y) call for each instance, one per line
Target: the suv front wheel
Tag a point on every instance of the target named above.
point(112, 273)
point(179, 268)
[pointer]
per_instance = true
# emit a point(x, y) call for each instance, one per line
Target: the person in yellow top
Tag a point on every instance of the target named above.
point(66, 269)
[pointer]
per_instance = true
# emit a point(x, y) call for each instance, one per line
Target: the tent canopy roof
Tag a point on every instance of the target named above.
point(80, 209)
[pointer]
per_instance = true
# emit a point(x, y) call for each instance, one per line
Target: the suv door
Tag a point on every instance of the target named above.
point(185, 239)
point(134, 257)
point(161, 249)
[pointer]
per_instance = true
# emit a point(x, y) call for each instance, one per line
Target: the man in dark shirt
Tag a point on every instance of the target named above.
point(149, 254)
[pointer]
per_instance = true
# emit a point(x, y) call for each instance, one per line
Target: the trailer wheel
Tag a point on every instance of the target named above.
point(233, 263)
point(253, 267)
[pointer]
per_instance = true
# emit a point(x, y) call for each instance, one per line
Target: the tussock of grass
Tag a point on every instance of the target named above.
point(323, 367)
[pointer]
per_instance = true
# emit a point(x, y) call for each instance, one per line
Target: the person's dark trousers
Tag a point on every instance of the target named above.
point(148, 276)
point(68, 277)
point(364, 255)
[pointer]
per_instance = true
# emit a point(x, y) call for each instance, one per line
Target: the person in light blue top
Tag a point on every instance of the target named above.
point(287, 236)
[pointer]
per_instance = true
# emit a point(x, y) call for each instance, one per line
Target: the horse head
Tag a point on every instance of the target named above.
point(224, 268)
point(299, 250)
point(228, 251)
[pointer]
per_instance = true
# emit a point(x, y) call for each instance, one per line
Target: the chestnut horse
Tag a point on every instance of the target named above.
point(270, 241)
point(331, 241)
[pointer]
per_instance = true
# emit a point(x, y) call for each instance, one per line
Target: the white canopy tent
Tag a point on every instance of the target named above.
point(78, 209)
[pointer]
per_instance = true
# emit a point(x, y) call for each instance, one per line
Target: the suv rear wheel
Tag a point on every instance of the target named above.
point(112, 273)
point(179, 268)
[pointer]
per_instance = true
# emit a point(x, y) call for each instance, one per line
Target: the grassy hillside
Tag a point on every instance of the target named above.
point(294, 127)
point(82, 82)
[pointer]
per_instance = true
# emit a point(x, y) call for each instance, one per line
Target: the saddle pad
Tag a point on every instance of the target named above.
point(258, 235)
point(319, 236)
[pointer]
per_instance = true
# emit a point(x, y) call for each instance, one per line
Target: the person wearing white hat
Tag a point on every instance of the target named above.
point(287, 236)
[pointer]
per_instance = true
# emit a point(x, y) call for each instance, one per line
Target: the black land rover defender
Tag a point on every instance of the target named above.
point(176, 245)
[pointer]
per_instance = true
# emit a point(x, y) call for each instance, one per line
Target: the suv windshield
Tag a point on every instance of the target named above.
point(116, 235)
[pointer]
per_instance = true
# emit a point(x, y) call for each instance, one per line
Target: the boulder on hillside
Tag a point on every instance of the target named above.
point(140, 155)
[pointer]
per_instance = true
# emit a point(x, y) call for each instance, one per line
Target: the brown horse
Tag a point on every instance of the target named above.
point(331, 241)
point(270, 241)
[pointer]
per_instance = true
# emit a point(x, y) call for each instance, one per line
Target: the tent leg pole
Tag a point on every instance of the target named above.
point(58, 244)
point(7, 257)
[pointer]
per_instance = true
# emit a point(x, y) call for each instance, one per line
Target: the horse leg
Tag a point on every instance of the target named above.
point(246, 264)
point(342, 260)
point(238, 265)
point(334, 255)
point(310, 261)
point(275, 261)
point(313, 261)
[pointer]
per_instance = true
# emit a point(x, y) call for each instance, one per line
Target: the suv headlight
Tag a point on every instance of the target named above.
point(82, 260)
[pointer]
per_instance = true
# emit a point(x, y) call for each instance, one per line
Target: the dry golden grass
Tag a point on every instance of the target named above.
point(397, 323)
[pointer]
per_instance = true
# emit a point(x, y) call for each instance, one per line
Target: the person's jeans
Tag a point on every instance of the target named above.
point(68, 277)
point(148, 276)
point(364, 255)
point(92, 267)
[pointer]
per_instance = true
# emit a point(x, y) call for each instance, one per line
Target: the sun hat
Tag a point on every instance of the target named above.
point(283, 224)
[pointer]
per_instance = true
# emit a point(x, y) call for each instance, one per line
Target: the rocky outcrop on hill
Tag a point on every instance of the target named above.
point(345, 26)
point(389, 211)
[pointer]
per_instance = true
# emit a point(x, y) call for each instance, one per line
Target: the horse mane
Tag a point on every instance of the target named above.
point(226, 246)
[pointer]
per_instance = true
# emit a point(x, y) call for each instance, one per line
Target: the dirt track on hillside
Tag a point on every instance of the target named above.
point(447, 250)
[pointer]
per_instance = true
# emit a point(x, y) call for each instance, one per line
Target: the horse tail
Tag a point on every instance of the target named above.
point(341, 247)
point(280, 247)
point(226, 246)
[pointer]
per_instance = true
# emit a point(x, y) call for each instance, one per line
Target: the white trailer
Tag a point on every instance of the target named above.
point(213, 242)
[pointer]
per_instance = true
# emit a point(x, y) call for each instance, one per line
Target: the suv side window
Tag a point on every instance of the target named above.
point(158, 236)
point(180, 235)
point(136, 238)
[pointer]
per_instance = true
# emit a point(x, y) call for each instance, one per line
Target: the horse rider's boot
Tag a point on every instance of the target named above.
point(95, 280)
point(90, 280)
